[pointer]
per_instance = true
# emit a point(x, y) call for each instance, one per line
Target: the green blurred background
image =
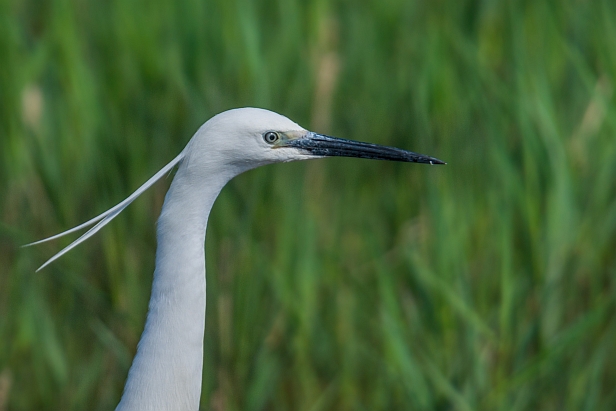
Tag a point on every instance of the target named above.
point(339, 284)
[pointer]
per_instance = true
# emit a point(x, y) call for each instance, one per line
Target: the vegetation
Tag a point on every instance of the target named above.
point(341, 284)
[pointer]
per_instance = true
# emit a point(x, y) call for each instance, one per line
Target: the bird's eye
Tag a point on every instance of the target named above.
point(271, 137)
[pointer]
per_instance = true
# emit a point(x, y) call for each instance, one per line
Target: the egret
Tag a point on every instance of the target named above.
point(166, 371)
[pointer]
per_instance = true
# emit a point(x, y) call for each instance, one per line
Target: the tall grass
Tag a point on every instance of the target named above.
point(486, 284)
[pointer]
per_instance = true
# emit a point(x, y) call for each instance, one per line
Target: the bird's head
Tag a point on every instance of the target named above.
point(241, 139)
point(245, 138)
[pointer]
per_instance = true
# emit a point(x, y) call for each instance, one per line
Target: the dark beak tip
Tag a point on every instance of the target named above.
point(432, 161)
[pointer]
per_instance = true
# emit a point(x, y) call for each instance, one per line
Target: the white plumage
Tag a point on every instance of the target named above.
point(166, 371)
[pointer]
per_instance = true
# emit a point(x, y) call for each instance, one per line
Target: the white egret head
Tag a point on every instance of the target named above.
point(241, 139)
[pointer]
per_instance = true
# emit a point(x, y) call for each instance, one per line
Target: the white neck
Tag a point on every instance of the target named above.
point(166, 371)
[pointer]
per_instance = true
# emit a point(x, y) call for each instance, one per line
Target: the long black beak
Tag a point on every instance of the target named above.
point(326, 146)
